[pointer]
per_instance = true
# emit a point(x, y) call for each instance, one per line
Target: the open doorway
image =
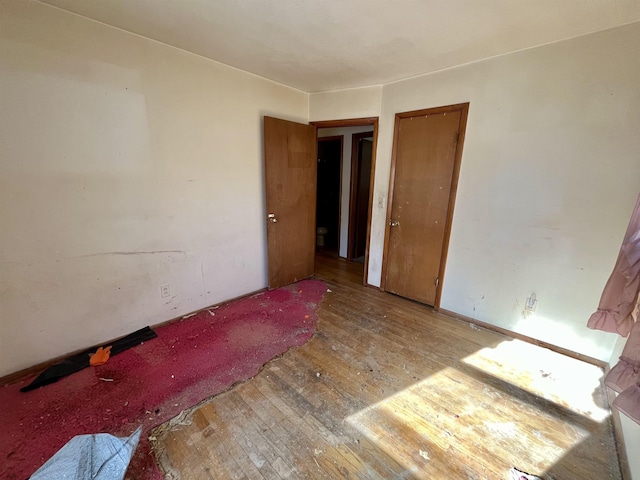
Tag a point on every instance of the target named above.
point(352, 173)
point(328, 194)
point(361, 156)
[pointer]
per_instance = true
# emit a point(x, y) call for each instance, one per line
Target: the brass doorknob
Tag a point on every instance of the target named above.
point(272, 218)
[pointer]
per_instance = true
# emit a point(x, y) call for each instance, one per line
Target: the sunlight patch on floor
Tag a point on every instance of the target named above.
point(454, 413)
point(560, 379)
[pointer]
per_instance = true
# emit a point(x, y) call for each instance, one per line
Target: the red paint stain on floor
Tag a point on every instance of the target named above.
point(191, 360)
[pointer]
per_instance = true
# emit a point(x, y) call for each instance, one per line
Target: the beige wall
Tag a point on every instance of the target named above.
point(126, 165)
point(550, 173)
point(342, 104)
point(345, 182)
point(631, 434)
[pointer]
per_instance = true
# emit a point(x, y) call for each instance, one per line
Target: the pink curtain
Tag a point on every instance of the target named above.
point(626, 373)
point(620, 295)
point(616, 314)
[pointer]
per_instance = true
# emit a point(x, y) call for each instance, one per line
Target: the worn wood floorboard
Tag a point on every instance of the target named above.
point(389, 389)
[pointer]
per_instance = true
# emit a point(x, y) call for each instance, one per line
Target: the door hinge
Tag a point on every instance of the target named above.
point(437, 282)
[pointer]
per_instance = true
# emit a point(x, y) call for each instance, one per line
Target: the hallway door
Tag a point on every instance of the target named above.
point(427, 152)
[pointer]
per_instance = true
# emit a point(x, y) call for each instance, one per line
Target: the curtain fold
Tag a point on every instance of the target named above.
point(620, 294)
point(628, 402)
point(617, 312)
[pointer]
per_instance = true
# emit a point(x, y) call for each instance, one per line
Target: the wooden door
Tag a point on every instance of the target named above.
point(290, 176)
point(427, 152)
point(362, 150)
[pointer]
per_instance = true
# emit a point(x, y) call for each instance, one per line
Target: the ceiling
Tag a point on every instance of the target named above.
point(319, 45)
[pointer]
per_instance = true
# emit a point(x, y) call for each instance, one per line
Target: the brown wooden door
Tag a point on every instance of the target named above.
point(362, 150)
point(290, 175)
point(426, 163)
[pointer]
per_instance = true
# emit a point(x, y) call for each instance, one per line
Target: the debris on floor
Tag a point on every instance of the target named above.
point(515, 474)
point(231, 347)
point(100, 357)
point(82, 360)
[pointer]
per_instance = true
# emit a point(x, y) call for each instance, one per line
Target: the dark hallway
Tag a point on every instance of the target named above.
point(328, 193)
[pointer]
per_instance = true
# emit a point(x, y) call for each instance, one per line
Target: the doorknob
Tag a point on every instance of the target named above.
point(394, 223)
point(272, 218)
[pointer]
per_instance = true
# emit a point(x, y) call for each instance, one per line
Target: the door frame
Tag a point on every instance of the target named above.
point(360, 122)
point(463, 108)
point(329, 139)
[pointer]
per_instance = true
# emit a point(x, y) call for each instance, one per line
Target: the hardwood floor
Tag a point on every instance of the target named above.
point(389, 389)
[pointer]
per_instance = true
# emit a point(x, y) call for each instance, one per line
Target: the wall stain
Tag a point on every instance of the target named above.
point(151, 252)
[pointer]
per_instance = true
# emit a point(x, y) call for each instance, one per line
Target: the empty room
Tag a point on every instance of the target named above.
point(291, 239)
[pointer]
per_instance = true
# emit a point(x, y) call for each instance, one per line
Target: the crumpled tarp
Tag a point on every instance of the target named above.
point(98, 457)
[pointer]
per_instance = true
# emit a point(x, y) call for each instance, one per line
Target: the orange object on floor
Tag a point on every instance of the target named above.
point(100, 357)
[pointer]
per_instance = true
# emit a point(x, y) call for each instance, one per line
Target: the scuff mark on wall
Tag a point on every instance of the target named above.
point(516, 305)
point(151, 252)
point(204, 288)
